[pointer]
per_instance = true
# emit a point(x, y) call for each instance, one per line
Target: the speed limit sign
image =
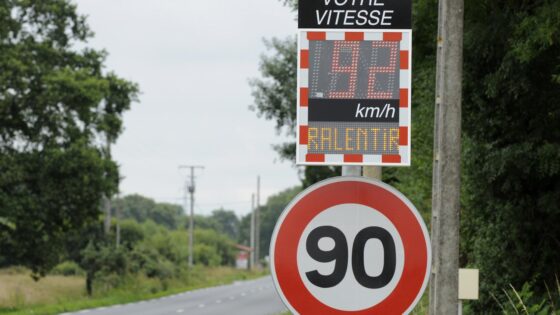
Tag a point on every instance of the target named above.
point(350, 245)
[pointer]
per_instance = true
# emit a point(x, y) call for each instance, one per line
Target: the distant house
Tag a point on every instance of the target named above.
point(243, 256)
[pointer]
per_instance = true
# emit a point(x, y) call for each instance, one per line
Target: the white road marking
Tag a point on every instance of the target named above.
point(180, 310)
point(200, 305)
point(218, 301)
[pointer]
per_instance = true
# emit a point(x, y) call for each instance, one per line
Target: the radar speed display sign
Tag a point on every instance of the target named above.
point(354, 82)
point(350, 245)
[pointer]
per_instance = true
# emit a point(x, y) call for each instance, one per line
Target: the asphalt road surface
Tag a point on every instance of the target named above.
point(254, 297)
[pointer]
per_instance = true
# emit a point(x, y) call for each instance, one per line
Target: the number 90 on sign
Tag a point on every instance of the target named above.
point(348, 263)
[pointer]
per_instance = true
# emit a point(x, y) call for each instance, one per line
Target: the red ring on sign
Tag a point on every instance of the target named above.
point(368, 194)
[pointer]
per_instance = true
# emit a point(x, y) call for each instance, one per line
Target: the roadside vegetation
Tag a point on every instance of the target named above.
point(150, 261)
point(55, 294)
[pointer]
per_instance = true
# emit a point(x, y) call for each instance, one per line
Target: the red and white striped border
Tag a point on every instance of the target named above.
point(403, 158)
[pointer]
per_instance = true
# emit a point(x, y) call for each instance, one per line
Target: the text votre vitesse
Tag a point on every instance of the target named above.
point(338, 14)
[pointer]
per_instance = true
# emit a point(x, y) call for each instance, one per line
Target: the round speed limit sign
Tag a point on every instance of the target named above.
point(350, 245)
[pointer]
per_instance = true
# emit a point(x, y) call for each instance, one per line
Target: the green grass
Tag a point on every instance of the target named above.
point(61, 294)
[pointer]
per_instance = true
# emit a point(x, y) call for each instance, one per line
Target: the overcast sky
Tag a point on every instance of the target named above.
point(192, 60)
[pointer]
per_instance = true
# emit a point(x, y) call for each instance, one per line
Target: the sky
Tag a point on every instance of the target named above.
point(192, 60)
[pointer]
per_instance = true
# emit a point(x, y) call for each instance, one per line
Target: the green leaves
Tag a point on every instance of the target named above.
point(45, 194)
point(275, 94)
point(56, 104)
point(512, 150)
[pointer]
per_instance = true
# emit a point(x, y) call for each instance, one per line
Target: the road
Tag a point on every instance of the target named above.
point(254, 297)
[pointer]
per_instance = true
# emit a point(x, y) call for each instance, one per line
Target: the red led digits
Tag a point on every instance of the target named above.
point(353, 48)
point(345, 60)
point(374, 70)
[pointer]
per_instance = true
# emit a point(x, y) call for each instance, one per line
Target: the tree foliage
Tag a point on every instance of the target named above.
point(146, 249)
point(227, 222)
point(141, 209)
point(224, 221)
point(275, 94)
point(512, 156)
point(57, 107)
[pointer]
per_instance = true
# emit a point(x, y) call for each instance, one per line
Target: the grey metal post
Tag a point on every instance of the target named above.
point(252, 234)
point(374, 172)
point(348, 170)
point(258, 223)
point(447, 160)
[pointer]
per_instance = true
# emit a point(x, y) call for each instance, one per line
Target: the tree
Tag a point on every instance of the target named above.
point(141, 208)
point(275, 95)
point(227, 222)
point(58, 108)
point(512, 165)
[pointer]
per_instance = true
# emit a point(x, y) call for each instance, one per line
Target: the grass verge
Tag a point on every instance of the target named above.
point(20, 295)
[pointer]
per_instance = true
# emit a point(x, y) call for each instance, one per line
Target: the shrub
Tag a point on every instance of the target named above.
point(68, 268)
point(206, 255)
point(527, 302)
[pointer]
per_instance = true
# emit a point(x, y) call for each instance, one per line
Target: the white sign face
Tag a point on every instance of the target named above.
point(350, 220)
point(350, 246)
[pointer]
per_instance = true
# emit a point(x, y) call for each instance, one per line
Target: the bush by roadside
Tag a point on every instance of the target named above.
point(54, 294)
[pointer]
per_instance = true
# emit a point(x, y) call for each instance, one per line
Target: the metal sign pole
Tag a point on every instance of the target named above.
point(373, 172)
point(351, 170)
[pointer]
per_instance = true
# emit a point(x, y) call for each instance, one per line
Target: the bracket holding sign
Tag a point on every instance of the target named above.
point(354, 83)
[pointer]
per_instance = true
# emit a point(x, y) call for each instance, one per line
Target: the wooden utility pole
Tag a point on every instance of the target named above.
point(258, 223)
point(118, 215)
point(447, 160)
point(252, 234)
point(107, 199)
point(190, 187)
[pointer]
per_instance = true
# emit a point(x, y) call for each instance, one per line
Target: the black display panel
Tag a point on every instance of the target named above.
point(355, 14)
point(353, 96)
